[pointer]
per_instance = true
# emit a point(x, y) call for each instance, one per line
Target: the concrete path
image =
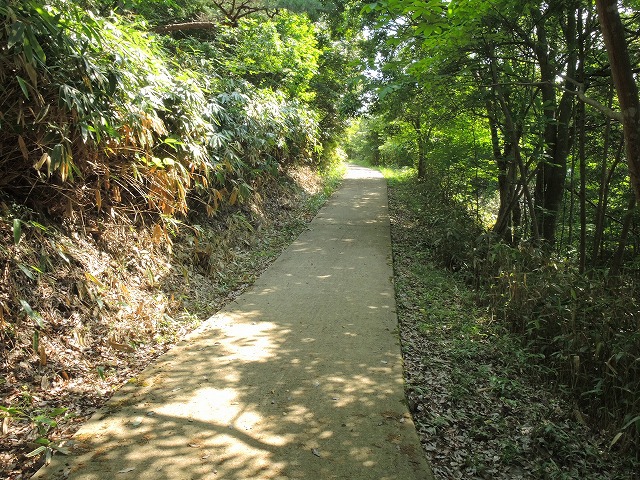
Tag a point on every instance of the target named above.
point(299, 378)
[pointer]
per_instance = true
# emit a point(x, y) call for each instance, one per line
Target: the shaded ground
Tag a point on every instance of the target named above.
point(300, 377)
point(481, 407)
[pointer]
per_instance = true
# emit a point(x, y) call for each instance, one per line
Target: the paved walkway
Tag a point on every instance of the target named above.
point(299, 378)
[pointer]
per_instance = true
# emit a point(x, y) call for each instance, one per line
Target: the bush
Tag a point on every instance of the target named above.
point(102, 99)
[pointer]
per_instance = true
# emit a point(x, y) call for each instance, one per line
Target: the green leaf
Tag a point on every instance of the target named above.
point(36, 452)
point(33, 314)
point(630, 422)
point(615, 439)
point(45, 420)
point(12, 411)
point(58, 411)
point(35, 45)
point(38, 225)
point(17, 230)
point(16, 35)
point(26, 271)
point(56, 155)
point(23, 85)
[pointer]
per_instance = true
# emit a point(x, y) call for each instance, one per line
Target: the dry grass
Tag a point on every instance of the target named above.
point(111, 295)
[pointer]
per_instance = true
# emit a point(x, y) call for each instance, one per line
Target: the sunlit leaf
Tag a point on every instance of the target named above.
point(34, 315)
point(23, 86)
point(17, 230)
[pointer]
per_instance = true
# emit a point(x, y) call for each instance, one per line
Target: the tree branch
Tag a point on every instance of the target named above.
point(174, 27)
point(615, 115)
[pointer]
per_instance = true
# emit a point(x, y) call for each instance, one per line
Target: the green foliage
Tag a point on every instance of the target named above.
point(499, 326)
point(580, 331)
point(101, 99)
point(43, 420)
point(279, 54)
point(583, 327)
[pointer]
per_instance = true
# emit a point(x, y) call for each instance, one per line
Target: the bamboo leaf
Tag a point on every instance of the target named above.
point(35, 45)
point(44, 158)
point(16, 34)
point(93, 279)
point(157, 234)
point(23, 147)
point(33, 76)
point(33, 314)
point(630, 422)
point(17, 230)
point(26, 271)
point(36, 452)
point(233, 197)
point(23, 85)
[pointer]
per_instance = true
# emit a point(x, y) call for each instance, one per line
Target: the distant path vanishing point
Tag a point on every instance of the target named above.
point(298, 378)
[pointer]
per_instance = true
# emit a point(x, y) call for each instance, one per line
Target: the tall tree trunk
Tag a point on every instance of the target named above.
point(422, 150)
point(626, 87)
point(509, 164)
point(583, 46)
point(506, 178)
point(603, 190)
point(583, 187)
point(616, 263)
point(551, 172)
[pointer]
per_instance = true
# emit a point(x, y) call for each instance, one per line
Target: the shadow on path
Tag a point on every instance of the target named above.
point(299, 378)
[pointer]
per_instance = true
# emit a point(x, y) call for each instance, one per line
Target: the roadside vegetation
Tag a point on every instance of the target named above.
point(485, 403)
point(510, 116)
point(155, 157)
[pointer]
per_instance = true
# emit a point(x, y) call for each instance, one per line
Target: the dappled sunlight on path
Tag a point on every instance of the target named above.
point(299, 378)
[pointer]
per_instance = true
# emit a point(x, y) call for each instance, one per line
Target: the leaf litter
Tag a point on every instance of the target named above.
point(480, 412)
point(82, 313)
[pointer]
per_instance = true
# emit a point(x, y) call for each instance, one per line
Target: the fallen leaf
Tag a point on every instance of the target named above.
point(120, 346)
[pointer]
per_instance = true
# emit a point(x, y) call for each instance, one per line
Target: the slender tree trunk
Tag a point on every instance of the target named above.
point(551, 174)
point(375, 144)
point(422, 153)
point(582, 112)
point(506, 178)
point(602, 190)
point(626, 87)
point(509, 164)
point(616, 263)
point(583, 187)
point(506, 184)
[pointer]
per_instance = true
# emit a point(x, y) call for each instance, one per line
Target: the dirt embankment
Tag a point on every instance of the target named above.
point(86, 303)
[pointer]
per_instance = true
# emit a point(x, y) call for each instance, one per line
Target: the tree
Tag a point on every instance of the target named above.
point(625, 83)
point(211, 14)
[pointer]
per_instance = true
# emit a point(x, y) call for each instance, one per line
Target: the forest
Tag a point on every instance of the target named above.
point(518, 112)
point(156, 154)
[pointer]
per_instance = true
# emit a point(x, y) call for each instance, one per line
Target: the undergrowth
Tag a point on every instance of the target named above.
point(85, 306)
point(499, 371)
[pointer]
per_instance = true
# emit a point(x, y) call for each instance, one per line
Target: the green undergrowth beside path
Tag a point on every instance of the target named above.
point(483, 403)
